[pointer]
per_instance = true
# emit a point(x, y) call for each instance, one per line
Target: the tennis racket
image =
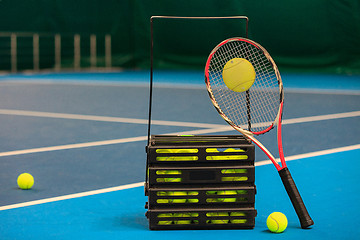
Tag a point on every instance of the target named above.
point(258, 108)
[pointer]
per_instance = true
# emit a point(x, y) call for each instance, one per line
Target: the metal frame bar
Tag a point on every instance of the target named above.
point(152, 56)
point(152, 50)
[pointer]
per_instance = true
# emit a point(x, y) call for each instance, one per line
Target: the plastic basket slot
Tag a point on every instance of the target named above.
point(227, 221)
point(198, 218)
point(178, 218)
point(234, 170)
point(209, 197)
point(169, 180)
point(177, 158)
point(178, 214)
point(227, 196)
point(231, 150)
point(170, 197)
point(176, 155)
point(178, 222)
point(226, 157)
point(176, 200)
point(177, 150)
point(201, 175)
point(234, 179)
point(168, 172)
point(177, 193)
point(226, 154)
point(226, 217)
point(168, 176)
point(234, 175)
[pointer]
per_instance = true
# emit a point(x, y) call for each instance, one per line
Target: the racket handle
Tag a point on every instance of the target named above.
point(296, 200)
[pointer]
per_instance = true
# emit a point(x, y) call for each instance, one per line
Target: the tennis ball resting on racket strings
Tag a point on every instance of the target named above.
point(238, 74)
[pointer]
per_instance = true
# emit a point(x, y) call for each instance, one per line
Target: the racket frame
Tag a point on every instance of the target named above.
point(248, 133)
point(289, 184)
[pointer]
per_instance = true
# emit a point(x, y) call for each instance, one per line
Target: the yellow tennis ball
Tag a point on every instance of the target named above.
point(182, 221)
point(165, 222)
point(173, 180)
point(177, 200)
point(25, 181)
point(219, 214)
point(277, 222)
point(192, 199)
point(238, 74)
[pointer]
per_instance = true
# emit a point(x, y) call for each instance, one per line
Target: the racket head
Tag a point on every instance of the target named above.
point(256, 110)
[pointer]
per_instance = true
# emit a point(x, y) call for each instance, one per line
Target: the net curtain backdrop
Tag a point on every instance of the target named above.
point(301, 36)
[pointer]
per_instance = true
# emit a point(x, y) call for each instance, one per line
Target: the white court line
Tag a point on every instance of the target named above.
point(220, 128)
point(106, 142)
point(105, 118)
point(143, 82)
point(321, 117)
point(312, 154)
point(323, 91)
point(134, 185)
point(161, 122)
point(73, 146)
point(70, 196)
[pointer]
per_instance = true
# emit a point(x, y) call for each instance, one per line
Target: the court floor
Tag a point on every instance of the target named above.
point(83, 135)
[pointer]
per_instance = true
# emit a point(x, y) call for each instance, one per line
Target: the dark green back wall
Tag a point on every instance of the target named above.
point(306, 35)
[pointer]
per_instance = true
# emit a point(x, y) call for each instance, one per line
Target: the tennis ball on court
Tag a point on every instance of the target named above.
point(277, 222)
point(25, 181)
point(238, 74)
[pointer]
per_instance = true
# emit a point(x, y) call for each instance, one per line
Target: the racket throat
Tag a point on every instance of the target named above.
point(279, 137)
point(248, 110)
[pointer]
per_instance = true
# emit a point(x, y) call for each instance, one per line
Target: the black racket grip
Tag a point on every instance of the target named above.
point(296, 200)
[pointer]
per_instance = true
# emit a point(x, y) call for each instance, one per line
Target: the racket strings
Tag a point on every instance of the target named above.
point(263, 100)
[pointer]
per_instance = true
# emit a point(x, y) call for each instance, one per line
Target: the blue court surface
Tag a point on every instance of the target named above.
point(83, 135)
